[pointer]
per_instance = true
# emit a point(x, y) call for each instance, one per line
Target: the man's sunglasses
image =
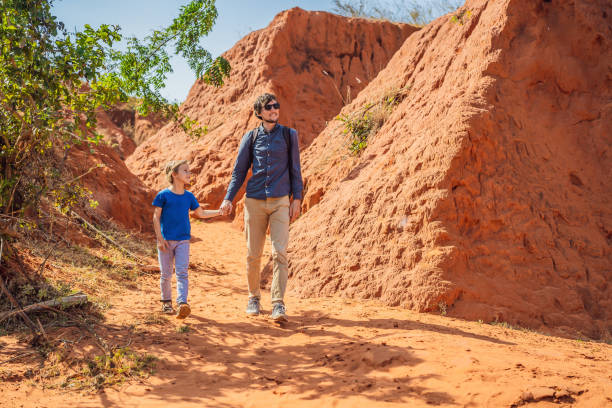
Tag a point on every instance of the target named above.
point(272, 105)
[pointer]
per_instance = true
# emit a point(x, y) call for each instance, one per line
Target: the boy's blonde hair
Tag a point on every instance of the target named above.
point(172, 167)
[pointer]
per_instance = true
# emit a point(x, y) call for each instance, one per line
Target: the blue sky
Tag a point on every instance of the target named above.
point(236, 19)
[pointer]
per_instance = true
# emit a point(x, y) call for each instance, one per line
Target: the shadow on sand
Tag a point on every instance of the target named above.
point(323, 362)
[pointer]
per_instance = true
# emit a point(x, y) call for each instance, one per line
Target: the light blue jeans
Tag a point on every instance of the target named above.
point(176, 257)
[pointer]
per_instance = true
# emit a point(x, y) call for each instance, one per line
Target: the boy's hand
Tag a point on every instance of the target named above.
point(162, 244)
point(226, 207)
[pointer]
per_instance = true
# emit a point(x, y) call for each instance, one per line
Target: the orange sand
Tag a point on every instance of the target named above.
point(332, 353)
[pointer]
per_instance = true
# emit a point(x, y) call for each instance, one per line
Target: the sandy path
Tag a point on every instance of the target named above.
point(332, 353)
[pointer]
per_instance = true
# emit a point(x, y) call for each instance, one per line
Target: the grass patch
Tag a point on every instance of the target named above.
point(99, 272)
point(461, 17)
point(40, 266)
point(183, 329)
point(505, 325)
point(508, 326)
point(366, 121)
point(57, 256)
point(100, 371)
point(6, 374)
point(442, 308)
point(154, 318)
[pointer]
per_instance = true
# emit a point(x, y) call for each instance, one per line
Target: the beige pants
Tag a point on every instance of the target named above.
point(257, 215)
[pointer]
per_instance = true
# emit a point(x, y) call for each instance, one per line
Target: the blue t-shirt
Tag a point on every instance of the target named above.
point(174, 220)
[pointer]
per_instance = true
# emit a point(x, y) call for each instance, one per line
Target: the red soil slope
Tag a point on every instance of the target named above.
point(486, 194)
point(124, 128)
point(147, 126)
point(110, 126)
point(287, 58)
point(121, 196)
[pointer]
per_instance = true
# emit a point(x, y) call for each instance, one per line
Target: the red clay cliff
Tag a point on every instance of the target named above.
point(312, 61)
point(486, 193)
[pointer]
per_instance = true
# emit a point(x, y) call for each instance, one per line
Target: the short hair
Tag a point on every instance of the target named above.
point(261, 101)
point(172, 167)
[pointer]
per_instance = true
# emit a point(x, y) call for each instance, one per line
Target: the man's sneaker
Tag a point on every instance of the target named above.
point(167, 307)
point(278, 313)
point(183, 311)
point(253, 307)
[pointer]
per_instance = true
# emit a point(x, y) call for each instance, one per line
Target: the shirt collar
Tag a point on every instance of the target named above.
point(261, 128)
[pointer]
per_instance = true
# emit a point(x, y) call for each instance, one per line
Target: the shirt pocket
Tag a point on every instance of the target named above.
point(278, 150)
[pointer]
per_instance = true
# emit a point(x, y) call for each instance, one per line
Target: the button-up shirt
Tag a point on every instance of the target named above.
point(269, 157)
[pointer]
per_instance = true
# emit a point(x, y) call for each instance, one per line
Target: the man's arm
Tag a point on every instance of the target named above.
point(162, 244)
point(295, 177)
point(241, 168)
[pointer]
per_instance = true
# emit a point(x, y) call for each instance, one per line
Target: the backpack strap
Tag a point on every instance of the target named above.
point(252, 137)
point(287, 136)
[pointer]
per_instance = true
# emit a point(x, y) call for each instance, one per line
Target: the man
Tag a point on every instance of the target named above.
point(273, 153)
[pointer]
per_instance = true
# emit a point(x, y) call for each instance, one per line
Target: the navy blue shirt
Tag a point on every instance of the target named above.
point(269, 158)
point(174, 219)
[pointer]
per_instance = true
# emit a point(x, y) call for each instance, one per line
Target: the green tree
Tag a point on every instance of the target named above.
point(53, 81)
point(413, 12)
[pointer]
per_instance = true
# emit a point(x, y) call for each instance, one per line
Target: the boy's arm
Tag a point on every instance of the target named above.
point(162, 244)
point(200, 213)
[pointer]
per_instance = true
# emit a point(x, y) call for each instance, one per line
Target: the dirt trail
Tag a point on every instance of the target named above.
point(332, 353)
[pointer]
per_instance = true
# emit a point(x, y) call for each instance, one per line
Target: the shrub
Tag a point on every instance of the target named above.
point(101, 371)
point(366, 122)
point(53, 81)
point(403, 11)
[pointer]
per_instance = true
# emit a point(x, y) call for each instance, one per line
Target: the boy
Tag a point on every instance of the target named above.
point(173, 232)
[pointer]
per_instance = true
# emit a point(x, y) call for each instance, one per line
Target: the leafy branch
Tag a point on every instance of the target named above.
point(52, 83)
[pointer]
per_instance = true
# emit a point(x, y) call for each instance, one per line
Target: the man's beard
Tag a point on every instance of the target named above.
point(270, 121)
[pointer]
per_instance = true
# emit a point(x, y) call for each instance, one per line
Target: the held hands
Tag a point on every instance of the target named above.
point(226, 207)
point(295, 209)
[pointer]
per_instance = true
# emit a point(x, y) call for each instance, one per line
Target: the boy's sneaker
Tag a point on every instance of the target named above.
point(278, 313)
point(253, 307)
point(183, 311)
point(167, 307)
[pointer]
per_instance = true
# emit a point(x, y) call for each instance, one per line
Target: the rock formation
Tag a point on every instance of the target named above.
point(123, 128)
point(486, 192)
point(121, 196)
point(147, 126)
point(113, 125)
point(313, 61)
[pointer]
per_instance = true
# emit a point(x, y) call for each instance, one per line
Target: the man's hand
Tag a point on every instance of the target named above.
point(226, 207)
point(162, 244)
point(295, 209)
